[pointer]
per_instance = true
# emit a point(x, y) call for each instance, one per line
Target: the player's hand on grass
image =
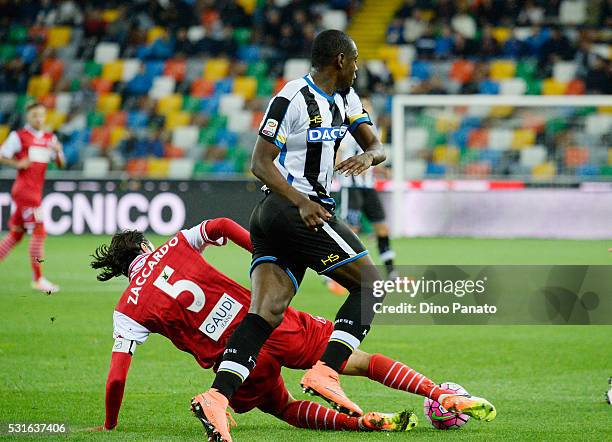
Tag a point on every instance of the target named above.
point(96, 429)
point(355, 165)
point(22, 164)
point(313, 214)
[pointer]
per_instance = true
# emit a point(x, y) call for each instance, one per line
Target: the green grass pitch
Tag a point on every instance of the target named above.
point(547, 381)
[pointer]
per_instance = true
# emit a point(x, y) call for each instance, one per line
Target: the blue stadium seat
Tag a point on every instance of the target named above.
point(137, 119)
point(249, 53)
point(435, 169)
point(224, 86)
point(27, 52)
point(587, 170)
point(489, 87)
point(421, 70)
point(139, 85)
point(460, 137)
point(154, 69)
point(227, 138)
point(209, 105)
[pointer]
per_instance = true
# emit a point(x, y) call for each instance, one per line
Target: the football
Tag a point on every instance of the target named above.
point(439, 417)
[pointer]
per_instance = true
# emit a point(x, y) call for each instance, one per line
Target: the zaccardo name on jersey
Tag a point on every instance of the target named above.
point(326, 133)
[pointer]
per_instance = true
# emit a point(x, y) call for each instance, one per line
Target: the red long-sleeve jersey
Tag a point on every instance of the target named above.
point(176, 293)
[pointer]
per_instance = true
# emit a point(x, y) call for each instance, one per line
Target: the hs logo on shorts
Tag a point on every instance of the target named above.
point(330, 258)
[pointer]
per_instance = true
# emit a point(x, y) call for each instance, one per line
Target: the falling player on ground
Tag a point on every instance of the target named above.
point(175, 292)
point(29, 150)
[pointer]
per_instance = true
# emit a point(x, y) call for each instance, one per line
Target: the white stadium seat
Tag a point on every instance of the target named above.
point(532, 156)
point(564, 71)
point(180, 168)
point(500, 139)
point(162, 86)
point(240, 121)
point(416, 138)
point(62, 102)
point(572, 12)
point(97, 167)
point(229, 103)
point(106, 52)
point(185, 137)
point(334, 19)
point(415, 169)
point(513, 86)
point(296, 68)
point(131, 66)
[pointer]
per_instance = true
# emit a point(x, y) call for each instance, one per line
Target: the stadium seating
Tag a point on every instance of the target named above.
point(205, 98)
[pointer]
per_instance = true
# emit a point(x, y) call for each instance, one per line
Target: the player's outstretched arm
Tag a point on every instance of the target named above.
point(373, 152)
point(58, 149)
point(227, 228)
point(115, 386)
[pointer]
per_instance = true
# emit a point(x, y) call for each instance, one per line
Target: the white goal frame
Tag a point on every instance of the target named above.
point(403, 102)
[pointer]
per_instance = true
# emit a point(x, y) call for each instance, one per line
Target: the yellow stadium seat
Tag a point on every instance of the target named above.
point(155, 33)
point(447, 122)
point(523, 138)
point(389, 53)
point(158, 167)
point(110, 15)
point(609, 152)
point(108, 103)
point(113, 71)
point(544, 171)
point(427, 14)
point(501, 34)
point(248, 5)
point(176, 119)
point(501, 111)
point(446, 154)
point(216, 69)
point(169, 104)
point(245, 86)
point(55, 119)
point(398, 70)
point(4, 131)
point(39, 85)
point(117, 134)
point(605, 109)
point(59, 37)
point(502, 69)
point(551, 86)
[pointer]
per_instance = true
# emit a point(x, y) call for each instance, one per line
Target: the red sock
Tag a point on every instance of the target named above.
point(9, 241)
point(310, 415)
point(394, 374)
point(37, 253)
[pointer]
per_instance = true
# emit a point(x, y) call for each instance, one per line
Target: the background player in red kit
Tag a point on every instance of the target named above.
point(173, 291)
point(30, 150)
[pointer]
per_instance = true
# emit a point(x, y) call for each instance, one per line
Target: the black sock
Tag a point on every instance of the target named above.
point(241, 353)
point(348, 331)
point(386, 254)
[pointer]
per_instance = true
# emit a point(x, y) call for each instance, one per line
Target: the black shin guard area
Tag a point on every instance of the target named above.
point(241, 353)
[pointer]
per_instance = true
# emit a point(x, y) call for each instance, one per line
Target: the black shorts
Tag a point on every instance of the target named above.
point(361, 199)
point(279, 235)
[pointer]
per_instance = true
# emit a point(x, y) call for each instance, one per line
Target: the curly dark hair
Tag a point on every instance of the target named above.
point(115, 259)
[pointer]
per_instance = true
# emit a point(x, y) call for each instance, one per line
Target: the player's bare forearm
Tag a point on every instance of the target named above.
point(370, 143)
point(17, 164)
point(262, 166)
point(373, 153)
point(60, 159)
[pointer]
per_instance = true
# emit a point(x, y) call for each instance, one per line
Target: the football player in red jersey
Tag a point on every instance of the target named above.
point(29, 150)
point(175, 292)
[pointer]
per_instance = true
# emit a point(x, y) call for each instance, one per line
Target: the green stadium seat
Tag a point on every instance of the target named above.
point(257, 69)
point(526, 69)
point(191, 103)
point(92, 69)
point(242, 36)
point(7, 52)
point(18, 34)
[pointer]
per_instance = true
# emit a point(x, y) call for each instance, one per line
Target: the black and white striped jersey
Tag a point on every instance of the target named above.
point(307, 125)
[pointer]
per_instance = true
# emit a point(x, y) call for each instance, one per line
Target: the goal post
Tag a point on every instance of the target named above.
point(492, 111)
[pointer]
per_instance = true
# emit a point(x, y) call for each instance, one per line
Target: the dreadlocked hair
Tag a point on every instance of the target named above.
point(115, 259)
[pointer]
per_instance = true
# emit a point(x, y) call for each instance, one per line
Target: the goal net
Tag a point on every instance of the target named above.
point(468, 143)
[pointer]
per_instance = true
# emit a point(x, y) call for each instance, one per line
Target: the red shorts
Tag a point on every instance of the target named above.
point(26, 217)
point(299, 342)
